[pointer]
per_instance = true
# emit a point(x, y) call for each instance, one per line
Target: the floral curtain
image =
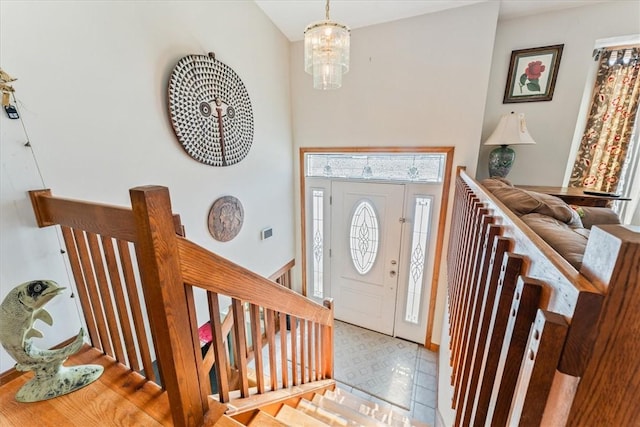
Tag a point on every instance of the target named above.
point(610, 124)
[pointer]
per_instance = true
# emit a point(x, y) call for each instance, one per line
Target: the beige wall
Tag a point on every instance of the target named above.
point(551, 123)
point(415, 82)
point(92, 83)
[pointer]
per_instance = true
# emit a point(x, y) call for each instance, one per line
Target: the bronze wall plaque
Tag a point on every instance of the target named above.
point(226, 217)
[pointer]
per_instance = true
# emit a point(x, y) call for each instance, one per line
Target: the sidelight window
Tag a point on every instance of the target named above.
point(419, 241)
point(318, 243)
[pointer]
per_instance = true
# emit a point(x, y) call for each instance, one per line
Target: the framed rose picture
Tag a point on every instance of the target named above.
point(532, 74)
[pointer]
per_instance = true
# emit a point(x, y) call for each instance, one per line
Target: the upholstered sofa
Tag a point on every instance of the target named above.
point(564, 227)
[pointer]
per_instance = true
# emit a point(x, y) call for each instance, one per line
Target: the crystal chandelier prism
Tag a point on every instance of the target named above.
point(326, 52)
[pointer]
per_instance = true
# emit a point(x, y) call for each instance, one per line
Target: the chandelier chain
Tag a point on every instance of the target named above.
point(326, 8)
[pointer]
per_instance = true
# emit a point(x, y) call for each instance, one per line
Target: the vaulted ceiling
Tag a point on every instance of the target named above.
point(292, 16)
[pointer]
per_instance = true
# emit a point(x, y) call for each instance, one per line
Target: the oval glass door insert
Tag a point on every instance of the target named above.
point(363, 237)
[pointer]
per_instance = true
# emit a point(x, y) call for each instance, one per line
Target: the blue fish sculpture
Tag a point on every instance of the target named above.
point(22, 306)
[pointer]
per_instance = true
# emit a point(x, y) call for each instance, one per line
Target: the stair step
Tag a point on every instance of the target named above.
point(294, 418)
point(321, 414)
point(266, 420)
point(226, 421)
point(383, 413)
point(347, 412)
point(361, 405)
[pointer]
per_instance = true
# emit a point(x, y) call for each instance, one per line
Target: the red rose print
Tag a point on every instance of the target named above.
point(534, 70)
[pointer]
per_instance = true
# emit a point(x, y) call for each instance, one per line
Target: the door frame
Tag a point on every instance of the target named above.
point(446, 184)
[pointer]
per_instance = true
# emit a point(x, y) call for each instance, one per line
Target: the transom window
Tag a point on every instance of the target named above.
point(403, 167)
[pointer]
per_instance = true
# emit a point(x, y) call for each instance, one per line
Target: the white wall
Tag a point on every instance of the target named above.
point(415, 82)
point(551, 123)
point(92, 83)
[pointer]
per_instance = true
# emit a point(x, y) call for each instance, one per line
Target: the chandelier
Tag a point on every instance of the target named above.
point(326, 52)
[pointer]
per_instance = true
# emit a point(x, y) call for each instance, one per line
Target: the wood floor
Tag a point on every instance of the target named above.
point(119, 398)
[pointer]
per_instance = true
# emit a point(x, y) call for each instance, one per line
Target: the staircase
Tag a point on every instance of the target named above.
point(321, 409)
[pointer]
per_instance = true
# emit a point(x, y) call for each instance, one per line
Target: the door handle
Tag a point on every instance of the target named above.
point(393, 273)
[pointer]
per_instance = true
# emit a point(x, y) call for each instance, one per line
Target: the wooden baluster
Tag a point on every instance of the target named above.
point(464, 240)
point(510, 269)
point(303, 365)
point(454, 240)
point(105, 296)
point(240, 345)
point(310, 349)
point(217, 343)
point(479, 288)
point(500, 247)
point(256, 340)
point(468, 287)
point(283, 350)
point(205, 381)
point(81, 285)
point(538, 369)
point(463, 266)
point(87, 268)
point(136, 309)
point(525, 304)
point(270, 329)
point(121, 305)
point(480, 261)
point(318, 374)
point(454, 249)
point(293, 326)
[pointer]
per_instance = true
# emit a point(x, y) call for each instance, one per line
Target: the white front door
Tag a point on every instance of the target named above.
point(366, 235)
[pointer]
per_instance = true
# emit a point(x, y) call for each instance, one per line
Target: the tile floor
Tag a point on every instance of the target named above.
point(423, 396)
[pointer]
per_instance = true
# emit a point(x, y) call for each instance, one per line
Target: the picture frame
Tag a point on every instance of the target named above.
point(532, 74)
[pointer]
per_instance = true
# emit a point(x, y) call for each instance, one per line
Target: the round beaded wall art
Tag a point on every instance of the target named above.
point(225, 218)
point(210, 110)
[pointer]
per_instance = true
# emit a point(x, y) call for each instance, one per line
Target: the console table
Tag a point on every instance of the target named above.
point(573, 195)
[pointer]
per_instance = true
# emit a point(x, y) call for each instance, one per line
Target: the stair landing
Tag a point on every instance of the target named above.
point(119, 395)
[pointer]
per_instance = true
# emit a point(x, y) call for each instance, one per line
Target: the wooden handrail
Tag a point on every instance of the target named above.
point(285, 269)
point(212, 272)
point(107, 220)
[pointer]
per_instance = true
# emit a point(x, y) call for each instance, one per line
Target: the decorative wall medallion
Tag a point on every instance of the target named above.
point(225, 218)
point(210, 110)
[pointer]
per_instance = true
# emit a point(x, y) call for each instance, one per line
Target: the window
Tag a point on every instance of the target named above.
point(364, 237)
point(419, 167)
point(318, 243)
point(419, 240)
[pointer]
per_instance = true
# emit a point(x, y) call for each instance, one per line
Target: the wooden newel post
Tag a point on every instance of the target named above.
point(167, 308)
point(607, 393)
